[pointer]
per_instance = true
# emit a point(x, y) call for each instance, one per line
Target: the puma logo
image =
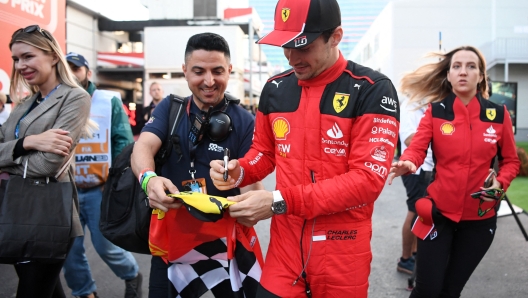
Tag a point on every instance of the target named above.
point(275, 82)
point(357, 85)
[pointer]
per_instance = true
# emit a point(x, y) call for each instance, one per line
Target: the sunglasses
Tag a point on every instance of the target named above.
point(33, 28)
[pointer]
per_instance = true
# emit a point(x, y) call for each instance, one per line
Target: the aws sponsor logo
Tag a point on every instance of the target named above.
point(340, 101)
point(281, 128)
point(447, 128)
point(381, 140)
point(335, 151)
point(382, 130)
point(284, 149)
point(389, 104)
point(385, 121)
point(376, 168)
point(379, 153)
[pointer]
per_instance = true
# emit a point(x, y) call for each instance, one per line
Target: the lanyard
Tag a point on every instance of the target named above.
point(17, 128)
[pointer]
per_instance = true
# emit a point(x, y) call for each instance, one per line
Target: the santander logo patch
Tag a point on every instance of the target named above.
point(335, 132)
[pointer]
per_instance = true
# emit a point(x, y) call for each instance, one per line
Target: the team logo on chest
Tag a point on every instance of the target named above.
point(447, 128)
point(285, 14)
point(491, 113)
point(340, 101)
point(281, 128)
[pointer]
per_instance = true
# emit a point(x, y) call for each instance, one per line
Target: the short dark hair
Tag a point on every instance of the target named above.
point(209, 42)
point(327, 33)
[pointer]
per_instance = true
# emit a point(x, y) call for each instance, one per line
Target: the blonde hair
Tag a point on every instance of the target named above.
point(429, 82)
point(39, 39)
point(50, 47)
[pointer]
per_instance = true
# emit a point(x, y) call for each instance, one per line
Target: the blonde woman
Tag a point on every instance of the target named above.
point(466, 132)
point(41, 132)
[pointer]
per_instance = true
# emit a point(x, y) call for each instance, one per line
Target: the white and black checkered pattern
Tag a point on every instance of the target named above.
point(207, 267)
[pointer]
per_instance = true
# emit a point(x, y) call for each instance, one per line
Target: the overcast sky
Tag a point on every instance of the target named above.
point(119, 10)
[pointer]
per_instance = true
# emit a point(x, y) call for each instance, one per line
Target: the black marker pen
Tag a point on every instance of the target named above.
point(226, 161)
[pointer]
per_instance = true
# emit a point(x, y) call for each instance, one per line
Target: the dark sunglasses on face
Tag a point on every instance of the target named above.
point(33, 28)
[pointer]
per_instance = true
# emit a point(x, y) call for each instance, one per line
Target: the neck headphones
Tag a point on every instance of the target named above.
point(215, 125)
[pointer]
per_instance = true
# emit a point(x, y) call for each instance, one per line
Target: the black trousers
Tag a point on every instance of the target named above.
point(445, 264)
point(39, 279)
point(159, 283)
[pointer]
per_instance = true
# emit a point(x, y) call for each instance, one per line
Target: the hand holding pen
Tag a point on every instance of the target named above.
point(226, 162)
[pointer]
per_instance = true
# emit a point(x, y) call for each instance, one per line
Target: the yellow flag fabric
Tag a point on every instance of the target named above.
point(203, 202)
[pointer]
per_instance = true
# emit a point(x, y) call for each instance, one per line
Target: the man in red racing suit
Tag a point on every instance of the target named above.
point(330, 132)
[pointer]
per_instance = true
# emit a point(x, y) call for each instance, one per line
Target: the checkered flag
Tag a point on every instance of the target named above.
point(213, 267)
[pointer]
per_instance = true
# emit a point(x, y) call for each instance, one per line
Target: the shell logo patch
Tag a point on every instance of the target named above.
point(281, 128)
point(447, 128)
point(285, 14)
point(491, 113)
point(340, 101)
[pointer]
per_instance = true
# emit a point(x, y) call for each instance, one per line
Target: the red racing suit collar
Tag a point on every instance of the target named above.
point(329, 75)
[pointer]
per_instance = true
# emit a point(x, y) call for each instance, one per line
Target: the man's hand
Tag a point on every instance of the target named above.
point(251, 207)
point(156, 188)
point(53, 141)
point(217, 174)
point(399, 168)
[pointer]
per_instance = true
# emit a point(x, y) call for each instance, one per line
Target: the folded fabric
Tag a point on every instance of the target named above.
point(203, 206)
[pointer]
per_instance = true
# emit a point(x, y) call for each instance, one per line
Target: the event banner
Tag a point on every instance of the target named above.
point(16, 14)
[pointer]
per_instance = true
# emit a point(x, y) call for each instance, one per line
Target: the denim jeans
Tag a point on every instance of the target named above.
point(76, 268)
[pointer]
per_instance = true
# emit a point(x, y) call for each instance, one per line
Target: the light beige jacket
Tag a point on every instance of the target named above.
point(67, 108)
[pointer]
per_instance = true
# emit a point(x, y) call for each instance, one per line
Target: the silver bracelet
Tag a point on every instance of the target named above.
point(240, 178)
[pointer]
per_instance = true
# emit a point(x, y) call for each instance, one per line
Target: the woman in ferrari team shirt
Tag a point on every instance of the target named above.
point(466, 132)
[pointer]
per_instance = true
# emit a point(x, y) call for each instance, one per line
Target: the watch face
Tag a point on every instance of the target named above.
point(279, 207)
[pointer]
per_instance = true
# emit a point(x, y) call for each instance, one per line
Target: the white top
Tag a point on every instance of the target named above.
point(5, 113)
point(410, 118)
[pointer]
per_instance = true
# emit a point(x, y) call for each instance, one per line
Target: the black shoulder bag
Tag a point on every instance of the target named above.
point(125, 210)
point(35, 218)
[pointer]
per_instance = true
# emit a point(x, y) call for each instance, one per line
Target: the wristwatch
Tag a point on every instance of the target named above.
point(279, 205)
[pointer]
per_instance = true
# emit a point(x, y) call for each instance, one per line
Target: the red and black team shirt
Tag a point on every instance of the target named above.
point(339, 129)
point(465, 141)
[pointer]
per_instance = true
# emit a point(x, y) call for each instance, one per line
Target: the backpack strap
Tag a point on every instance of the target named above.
point(177, 107)
point(231, 98)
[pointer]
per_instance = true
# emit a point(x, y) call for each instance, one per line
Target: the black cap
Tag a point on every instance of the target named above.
point(299, 22)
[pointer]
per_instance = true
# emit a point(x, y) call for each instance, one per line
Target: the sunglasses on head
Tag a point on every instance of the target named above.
point(33, 28)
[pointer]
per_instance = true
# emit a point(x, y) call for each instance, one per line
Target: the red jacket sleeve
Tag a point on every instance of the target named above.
point(261, 155)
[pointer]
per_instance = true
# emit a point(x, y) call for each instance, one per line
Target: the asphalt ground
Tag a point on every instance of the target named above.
point(502, 273)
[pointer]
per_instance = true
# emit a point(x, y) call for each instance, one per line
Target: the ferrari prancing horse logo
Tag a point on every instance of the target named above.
point(491, 113)
point(285, 14)
point(340, 101)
